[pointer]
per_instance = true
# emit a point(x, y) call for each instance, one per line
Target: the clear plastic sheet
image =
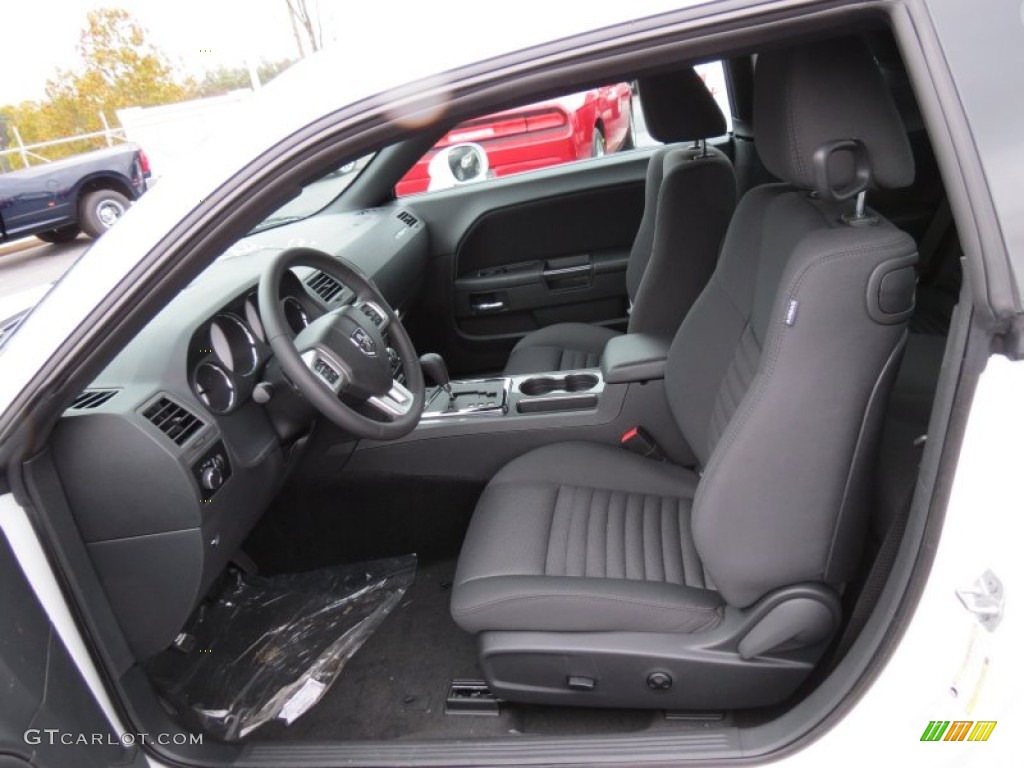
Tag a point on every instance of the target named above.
point(270, 647)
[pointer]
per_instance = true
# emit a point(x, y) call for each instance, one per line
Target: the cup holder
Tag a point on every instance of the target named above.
point(545, 385)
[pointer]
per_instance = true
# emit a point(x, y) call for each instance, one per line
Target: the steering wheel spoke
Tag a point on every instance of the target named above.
point(346, 352)
point(375, 313)
point(397, 402)
point(327, 368)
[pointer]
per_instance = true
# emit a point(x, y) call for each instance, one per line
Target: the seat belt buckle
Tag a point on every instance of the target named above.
point(637, 440)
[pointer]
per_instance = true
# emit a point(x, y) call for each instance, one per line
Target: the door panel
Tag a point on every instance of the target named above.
point(513, 255)
point(44, 690)
point(547, 261)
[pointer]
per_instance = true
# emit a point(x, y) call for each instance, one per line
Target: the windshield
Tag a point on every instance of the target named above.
point(316, 195)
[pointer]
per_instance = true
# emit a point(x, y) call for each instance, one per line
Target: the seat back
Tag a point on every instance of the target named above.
point(779, 374)
point(690, 197)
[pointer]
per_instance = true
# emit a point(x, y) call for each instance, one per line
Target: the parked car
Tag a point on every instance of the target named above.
point(219, 451)
point(550, 132)
point(83, 193)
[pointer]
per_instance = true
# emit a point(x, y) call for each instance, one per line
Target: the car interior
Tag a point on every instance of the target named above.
point(623, 447)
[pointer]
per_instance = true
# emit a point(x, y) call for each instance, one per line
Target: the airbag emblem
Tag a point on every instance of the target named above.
point(362, 340)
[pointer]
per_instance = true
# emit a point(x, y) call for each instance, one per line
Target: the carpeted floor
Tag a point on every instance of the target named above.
point(395, 685)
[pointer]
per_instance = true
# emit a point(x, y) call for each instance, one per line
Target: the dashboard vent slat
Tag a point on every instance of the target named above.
point(173, 420)
point(407, 218)
point(324, 286)
point(92, 398)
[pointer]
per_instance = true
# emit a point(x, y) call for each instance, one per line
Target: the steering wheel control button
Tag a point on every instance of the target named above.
point(659, 681)
point(377, 315)
point(212, 470)
point(325, 372)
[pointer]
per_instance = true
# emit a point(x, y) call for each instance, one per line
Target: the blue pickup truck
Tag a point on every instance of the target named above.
point(85, 193)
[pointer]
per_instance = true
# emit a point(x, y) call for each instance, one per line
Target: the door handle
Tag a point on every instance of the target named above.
point(488, 305)
point(569, 276)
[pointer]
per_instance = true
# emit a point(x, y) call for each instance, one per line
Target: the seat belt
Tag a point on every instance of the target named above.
point(932, 239)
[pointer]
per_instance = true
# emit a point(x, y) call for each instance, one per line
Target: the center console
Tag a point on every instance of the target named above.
point(511, 395)
point(470, 428)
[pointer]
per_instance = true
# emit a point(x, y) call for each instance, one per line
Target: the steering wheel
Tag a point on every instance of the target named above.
point(344, 351)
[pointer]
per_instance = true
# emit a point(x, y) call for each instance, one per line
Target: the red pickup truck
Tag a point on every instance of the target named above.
point(84, 193)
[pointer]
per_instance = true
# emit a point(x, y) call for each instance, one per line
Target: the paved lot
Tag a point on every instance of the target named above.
point(37, 265)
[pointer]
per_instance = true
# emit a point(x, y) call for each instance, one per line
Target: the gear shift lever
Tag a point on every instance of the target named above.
point(433, 365)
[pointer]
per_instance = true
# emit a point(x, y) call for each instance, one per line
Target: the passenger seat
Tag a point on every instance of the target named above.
point(690, 198)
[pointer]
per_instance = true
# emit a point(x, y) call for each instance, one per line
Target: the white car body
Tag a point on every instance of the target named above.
point(946, 666)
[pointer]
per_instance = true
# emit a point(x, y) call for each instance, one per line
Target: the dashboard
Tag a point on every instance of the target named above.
point(172, 454)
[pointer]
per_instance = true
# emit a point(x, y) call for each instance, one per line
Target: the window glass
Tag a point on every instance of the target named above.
point(713, 74)
point(316, 195)
point(579, 126)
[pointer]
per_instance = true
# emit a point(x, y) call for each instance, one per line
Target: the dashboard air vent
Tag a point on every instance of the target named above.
point(324, 286)
point(173, 420)
point(92, 398)
point(407, 218)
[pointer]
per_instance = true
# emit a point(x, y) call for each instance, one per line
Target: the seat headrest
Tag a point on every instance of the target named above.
point(813, 95)
point(678, 107)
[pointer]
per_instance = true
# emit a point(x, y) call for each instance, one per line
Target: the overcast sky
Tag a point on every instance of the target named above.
point(41, 35)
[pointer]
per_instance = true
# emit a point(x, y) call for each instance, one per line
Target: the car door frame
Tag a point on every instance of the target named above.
point(159, 279)
point(52, 679)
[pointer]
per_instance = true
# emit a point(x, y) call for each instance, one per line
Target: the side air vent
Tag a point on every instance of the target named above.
point(92, 398)
point(173, 420)
point(324, 286)
point(407, 218)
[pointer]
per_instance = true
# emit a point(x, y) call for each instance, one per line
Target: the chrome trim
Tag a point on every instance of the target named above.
point(253, 318)
point(506, 392)
point(317, 354)
point(519, 379)
point(385, 320)
point(250, 340)
point(303, 315)
point(202, 395)
point(397, 402)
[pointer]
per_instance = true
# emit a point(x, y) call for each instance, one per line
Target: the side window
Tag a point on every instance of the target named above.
point(713, 74)
point(575, 127)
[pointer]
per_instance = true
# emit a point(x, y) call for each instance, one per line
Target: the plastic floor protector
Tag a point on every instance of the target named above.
point(269, 647)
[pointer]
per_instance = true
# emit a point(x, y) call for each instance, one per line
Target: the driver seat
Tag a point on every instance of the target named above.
point(596, 577)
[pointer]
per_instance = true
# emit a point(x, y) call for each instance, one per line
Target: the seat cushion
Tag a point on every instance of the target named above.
point(561, 347)
point(584, 537)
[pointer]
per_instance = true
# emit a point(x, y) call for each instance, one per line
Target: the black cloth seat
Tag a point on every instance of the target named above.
point(690, 194)
point(586, 567)
point(615, 524)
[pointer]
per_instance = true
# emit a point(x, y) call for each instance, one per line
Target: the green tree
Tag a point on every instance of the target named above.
point(225, 79)
point(118, 68)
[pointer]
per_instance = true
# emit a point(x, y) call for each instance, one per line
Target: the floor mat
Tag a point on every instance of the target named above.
point(395, 687)
point(270, 647)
